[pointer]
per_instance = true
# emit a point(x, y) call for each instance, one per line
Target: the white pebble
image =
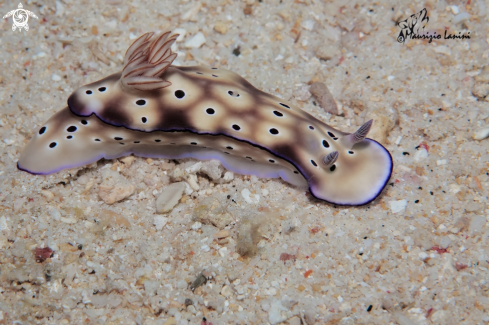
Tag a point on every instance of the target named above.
point(228, 176)
point(66, 39)
point(308, 24)
point(132, 36)
point(481, 133)
point(398, 141)
point(67, 220)
point(39, 55)
point(264, 192)
point(439, 317)
point(415, 311)
point(60, 9)
point(190, 14)
point(188, 189)
point(398, 206)
point(445, 242)
point(240, 290)
point(423, 255)
point(191, 309)
point(197, 225)
point(196, 41)
point(446, 104)
point(192, 181)
point(460, 17)
point(212, 168)
point(391, 78)
point(275, 314)
point(454, 188)
point(55, 214)
point(181, 284)
point(111, 24)
point(47, 194)
point(55, 77)
point(249, 197)
point(194, 168)
point(205, 248)
point(404, 168)
point(226, 291)
point(85, 40)
point(3, 223)
point(8, 142)
point(344, 307)
point(441, 162)
point(182, 32)
point(223, 251)
point(160, 222)
point(93, 265)
point(177, 173)
point(443, 49)
point(455, 9)
point(169, 197)
point(420, 154)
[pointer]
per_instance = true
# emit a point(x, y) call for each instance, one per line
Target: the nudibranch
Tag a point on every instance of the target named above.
point(153, 109)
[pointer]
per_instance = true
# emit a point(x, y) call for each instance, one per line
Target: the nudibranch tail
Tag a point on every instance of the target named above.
point(146, 61)
point(64, 141)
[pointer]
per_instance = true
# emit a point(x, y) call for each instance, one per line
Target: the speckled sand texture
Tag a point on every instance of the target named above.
point(86, 246)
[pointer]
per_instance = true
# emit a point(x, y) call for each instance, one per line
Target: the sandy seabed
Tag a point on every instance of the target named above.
point(241, 249)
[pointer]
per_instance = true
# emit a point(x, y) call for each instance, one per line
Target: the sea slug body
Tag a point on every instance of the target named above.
point(153, 109)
